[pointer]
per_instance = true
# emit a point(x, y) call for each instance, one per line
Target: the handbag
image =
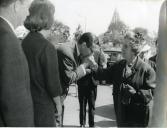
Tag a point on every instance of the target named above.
point(143, 97)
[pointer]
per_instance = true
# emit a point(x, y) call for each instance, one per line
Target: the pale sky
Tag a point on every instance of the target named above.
point(96, 15)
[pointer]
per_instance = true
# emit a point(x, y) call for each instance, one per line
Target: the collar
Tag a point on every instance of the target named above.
point(138, 63)
point(76, 48)
point(134, 61)
point(132, 64)
point(9, 23)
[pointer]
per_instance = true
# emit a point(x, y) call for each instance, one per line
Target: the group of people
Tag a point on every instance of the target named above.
point(35, 77)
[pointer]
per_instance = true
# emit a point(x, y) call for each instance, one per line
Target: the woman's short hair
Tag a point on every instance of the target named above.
point(5, 3)
point(41, 15)
point(133, 42)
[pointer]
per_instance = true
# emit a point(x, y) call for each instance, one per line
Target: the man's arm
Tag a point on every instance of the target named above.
point(72, 73)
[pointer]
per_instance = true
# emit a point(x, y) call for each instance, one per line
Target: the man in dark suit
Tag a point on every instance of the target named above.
point(69, 60)
point(16, 108)
point(87, 92)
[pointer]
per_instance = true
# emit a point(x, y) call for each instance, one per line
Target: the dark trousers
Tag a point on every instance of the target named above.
point(87, 94)
point(119, 110)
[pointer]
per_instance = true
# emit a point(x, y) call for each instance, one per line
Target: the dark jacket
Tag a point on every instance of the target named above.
point(142, 80)
point(89, 80)
point(44, 76)
point(70, 70)
point(16, 107)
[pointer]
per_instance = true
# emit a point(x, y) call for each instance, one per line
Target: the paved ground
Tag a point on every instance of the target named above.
point(104, 115)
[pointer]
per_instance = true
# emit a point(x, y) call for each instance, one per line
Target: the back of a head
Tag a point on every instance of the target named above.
point(6, 3)
point(87, 38)
point(41, 15)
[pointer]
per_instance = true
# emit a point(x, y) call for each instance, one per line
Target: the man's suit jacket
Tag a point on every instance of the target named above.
point(88, 80)
point(16, 107)
point(70, 70)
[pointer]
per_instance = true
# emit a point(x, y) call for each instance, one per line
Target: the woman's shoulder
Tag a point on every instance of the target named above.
point(35, 37)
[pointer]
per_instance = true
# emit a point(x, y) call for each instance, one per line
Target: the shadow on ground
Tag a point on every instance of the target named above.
point(71, 126)
point(106, 111)
point(106, 123)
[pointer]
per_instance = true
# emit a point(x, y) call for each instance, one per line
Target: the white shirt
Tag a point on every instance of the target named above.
point(9, 23)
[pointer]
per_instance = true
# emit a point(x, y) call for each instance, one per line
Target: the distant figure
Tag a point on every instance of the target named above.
point(160, 101)
point(43, 63)
point(16, 107)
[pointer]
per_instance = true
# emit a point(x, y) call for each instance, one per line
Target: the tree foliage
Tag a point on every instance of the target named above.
point(78, 32)
point(118, 27)
point(141, 34)
point(59, 32)
point(116, 31)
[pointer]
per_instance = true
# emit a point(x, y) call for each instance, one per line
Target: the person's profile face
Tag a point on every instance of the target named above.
point(126, 51)
point(84, 50)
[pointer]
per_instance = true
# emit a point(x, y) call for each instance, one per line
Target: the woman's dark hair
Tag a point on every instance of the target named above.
point(5, 3)
point(87, 38)
point(41, 15)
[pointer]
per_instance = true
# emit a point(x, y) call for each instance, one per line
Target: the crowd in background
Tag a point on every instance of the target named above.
point(35, 75)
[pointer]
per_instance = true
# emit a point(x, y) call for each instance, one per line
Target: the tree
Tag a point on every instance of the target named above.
point(141, 34)
point(78, 32)
point(60, 32)
point(116, 30)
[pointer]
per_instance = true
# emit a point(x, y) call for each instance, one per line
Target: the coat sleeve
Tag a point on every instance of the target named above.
point(49, 62)
point(144, 94)
point(111, 73)
point(70, 72)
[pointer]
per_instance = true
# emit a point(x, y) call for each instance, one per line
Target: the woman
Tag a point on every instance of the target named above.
point(133, 81)
point(43, 63)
